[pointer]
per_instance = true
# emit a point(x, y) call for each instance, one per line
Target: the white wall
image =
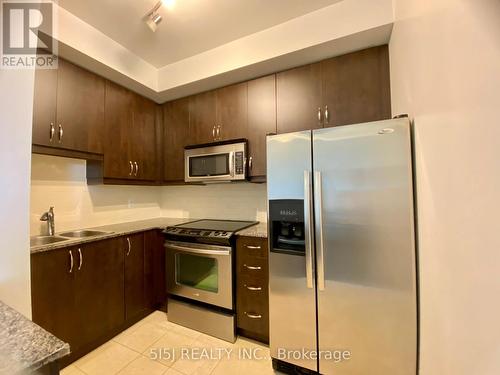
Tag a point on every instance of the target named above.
point(16, 108)
point(61, 183)
point(239, 201)
point(445, 72)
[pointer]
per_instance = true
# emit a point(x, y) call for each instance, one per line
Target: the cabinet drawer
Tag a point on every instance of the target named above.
point(252, 246)
point(252, 267)
point(253, 312)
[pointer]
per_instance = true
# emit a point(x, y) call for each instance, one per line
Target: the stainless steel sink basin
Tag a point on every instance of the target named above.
point(83, 233)
point(46, 240)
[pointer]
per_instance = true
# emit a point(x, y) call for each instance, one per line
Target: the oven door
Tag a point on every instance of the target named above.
point(200, 272)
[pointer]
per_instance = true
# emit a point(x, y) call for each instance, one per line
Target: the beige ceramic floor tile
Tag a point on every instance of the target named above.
point(167, 349)
point(107, 359)
point(155, 317)
point(71, 370)
point(199, 358)
point(142, 337)
point(173, 372)
point(144, 366)
point(246, 367)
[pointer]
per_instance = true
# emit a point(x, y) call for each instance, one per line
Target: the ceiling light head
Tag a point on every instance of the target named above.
point(153, 21)
point(168, 3)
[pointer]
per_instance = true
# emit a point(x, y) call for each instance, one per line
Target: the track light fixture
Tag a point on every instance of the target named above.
point(153, 18)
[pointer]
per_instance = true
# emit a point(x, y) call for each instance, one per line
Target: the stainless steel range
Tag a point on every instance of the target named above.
point(200, 275)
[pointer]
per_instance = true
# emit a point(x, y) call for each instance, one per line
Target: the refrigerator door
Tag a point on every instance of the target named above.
point(292, 300)
point(365, 246)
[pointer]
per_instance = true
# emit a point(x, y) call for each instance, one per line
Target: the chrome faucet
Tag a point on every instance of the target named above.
point(50, 219)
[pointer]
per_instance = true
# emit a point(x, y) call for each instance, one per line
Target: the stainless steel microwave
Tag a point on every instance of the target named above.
point(218, 162)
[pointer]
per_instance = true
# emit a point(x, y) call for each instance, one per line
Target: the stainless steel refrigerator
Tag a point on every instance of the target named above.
point(342, 250)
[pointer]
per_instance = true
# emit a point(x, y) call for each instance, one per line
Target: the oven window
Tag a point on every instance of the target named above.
point(209, 165)
point(196, 271)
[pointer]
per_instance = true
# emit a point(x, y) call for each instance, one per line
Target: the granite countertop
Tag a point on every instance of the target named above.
point(122, 229)
point(25, 346)
point(259, 230)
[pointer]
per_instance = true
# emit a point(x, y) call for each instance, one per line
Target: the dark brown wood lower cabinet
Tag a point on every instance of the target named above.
point(155, 291)
point(98, 289)
point(252, 295)
point(87, 294)
point(134, 275)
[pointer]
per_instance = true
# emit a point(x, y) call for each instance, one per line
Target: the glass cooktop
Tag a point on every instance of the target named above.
point(218, 225)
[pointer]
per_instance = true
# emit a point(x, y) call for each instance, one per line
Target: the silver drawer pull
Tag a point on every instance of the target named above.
point(52, 131)
point(253, 247)
point(71, 261)
point(253, 316)
point(81, 259)
point(252, 267)
point(255, 288)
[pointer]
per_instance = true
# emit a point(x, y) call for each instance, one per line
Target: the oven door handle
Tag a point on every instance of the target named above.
point(222, 251)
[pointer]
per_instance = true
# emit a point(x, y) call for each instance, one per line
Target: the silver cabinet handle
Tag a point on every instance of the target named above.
point(61, 133)
point(136, 168)
point(254, 288)
point(213, 133)
point(131, 168)
point(250, 162)
point(308, 230)
point(253, 247)
point(52, 131)
point(218, 133)
point(253, 316)
point(252, 267)
point(327, 115)
point(129, 246)
point(320, 115)
point(319, 225)
point(71, 261)
point(81, 259)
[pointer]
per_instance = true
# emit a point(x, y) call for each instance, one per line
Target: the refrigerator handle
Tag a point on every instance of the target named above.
point(308, 228)
point(320, 258)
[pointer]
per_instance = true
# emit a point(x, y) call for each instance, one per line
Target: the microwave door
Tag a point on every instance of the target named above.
point(210, 167)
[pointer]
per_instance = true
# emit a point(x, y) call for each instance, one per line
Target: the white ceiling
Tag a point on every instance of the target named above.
point(190, 27)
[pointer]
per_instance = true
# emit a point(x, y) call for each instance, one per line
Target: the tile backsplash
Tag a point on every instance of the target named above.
point(61, 182)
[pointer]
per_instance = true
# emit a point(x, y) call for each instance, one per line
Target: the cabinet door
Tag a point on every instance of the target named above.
point(202, 117)
point(175, 138)
point(99, 285)
point(80, 108)
point(154, 268)
point(143, 139)
point(356, 87)
point(134, 275)
point(298, 93)
point(118, 127)
point(44, 108)
point(52, 294)
point(232, 112)
point(261, 121)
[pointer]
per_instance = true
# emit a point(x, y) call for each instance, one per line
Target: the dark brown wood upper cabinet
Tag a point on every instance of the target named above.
point(130, 134)
point(44, 108)
point(261, 121)
point(143, 139)
point(203, 118)
point(135, 302)
point(119, 106)
point(298, 93)
point(232, 114)
point(69, 109)
point(175, 138)
point(80, 108)
point(356, 87)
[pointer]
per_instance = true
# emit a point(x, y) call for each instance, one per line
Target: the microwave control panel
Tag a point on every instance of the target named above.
point(239, 163)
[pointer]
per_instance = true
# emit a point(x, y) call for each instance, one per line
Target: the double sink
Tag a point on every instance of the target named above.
point(47, 240)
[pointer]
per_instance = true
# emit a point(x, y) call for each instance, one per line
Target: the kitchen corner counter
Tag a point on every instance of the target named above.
point(123, 229)
point(258, 230)
point(25, 346)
